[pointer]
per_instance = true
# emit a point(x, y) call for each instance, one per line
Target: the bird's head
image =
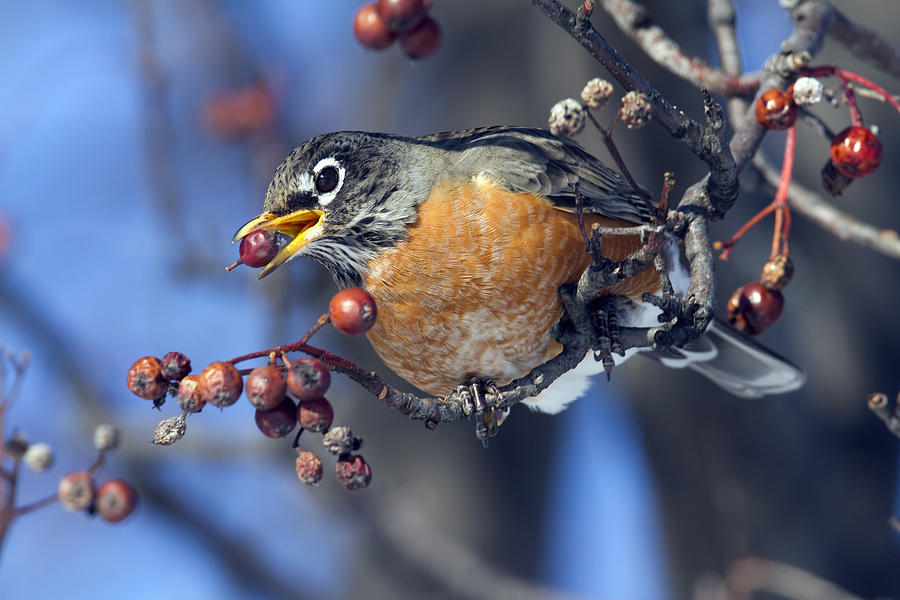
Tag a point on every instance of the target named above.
point(338, 199)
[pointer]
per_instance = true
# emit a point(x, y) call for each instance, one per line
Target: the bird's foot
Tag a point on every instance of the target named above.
point(605, 321)
point(478, 397)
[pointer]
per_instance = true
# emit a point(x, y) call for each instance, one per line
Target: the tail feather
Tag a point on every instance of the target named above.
point(735, 362)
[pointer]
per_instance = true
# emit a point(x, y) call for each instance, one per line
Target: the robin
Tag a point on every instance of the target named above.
point(464, 239)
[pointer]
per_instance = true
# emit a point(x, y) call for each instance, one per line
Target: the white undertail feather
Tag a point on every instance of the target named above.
point(727, 357)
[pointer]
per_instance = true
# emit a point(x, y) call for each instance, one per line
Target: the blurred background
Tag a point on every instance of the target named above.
point(135, 137)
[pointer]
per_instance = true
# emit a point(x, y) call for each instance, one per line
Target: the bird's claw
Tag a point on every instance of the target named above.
point(478, 397)
point(605, 320)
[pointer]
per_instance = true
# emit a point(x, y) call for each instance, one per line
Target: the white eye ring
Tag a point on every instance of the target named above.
point(322, 164)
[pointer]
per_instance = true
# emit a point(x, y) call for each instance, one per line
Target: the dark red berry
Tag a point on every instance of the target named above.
point(308, 378)
point(279, 421)
point(776, 109)
point(856, 151)
point(754, 307)
point(309, 467)
point(352, 311)
point(370, 29)
point(258, 248)
point(145, 379)
point(353, 472)
point(175, 366)
point(421, 41)
point(115, 500)
point(265, 387)
point(76, 490)
point(402, 15)
point(315, 415)
point(221, 383)
point(190, 395)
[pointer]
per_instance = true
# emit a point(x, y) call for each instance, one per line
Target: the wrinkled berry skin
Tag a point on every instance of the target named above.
point(352, 311)
point(145, 379)
point(191, 395)
point(175, 366)
point(308, 379)
point(370, 29)
point(257, 248)
point(265, 387)
point(776, 109)
point(309, 468)
point(222, 384)
point(353, 472)
point(754, 307)
point(856, 151)
point(315, 415)
point(279, 421)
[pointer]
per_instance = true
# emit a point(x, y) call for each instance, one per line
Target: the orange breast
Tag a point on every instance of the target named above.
point(473, 291)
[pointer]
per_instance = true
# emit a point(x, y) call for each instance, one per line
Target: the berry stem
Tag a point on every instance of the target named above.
point(782, 212)
point(36, 505)
point(281, 350)
point(606, 134)
point(846, 76)
point(727, 246)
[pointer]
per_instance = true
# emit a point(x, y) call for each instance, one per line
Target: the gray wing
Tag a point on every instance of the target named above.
point(535, 161)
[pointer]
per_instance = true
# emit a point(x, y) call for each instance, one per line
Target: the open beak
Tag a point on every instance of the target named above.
point(302, 226)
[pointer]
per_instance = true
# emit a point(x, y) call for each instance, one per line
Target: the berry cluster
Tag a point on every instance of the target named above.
point(285, 393)
point(380, 24)
point(855, 152)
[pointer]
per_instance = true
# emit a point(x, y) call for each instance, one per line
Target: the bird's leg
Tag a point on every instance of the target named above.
point(478, 396)
point(605, 319)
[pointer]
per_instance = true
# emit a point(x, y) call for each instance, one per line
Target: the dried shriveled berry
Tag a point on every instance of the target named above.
point(777, 272)
point(308, 378)
point(76, 490)
point(279, 421)
point(353, 472)
point(370, 29)
point(106, 437)
point(309, 468)
point(257, 248)
point(340, 440)
point(315, 415)
point(191, 395)
point(754, 307)
point(402, 15)
point(145, 379)
point(221, 383)
point(776, 109)
point(115, 500)
point(352, 311)
point(39, 457)
point(174, 366)
point(265, 387)
point(856, 151)
point(169, 431)
point(421, 41)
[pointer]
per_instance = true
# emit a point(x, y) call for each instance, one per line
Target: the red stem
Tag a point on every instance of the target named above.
point(295, 347)
point(782, 216)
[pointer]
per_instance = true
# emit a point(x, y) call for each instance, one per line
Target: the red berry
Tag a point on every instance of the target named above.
point(309, 467)
point(308, 378)
point(776, 109)
point(258, 248)
point(856, 151)
point(145, 379)
point(370, 29)
point(353, 472)
point(421, 41)
point(265, 387)
point(221, 383)
point(76, 490)
point(402, 15)
point(279, 421)
point(315, 415)
point(190, 394)
point(754, 307)
point(175, 366)
point(352, 311)
point(116, 499)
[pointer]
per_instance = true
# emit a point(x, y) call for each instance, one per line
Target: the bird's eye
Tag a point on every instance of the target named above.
point(327, 179)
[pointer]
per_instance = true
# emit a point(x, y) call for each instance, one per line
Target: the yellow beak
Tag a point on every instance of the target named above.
point(301, 225)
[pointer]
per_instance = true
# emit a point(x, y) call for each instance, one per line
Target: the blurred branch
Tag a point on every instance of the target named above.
point(750, 575)
point(842, 225)
point(635, 21)
point(887, 410)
